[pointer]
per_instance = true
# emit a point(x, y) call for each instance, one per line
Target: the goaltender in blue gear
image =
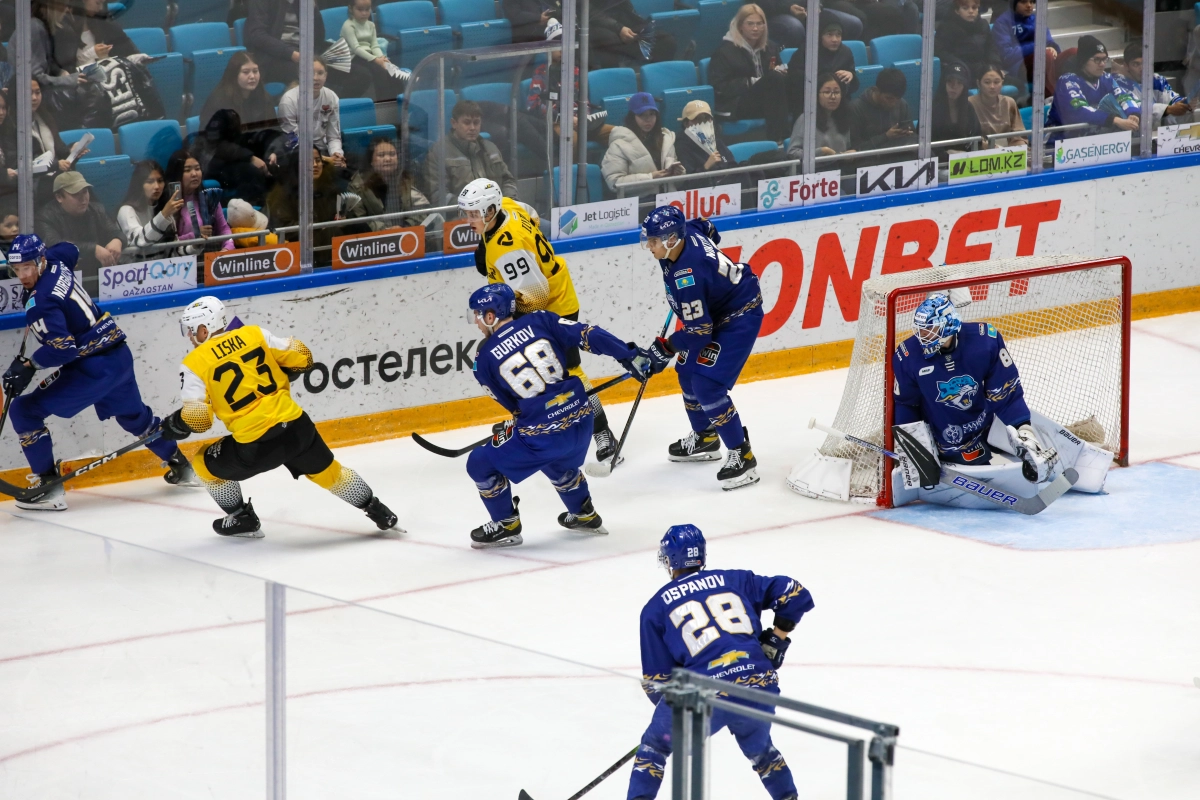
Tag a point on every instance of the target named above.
point(709, 622)
point(93, 361)
point(720, 306)
point(522, 363)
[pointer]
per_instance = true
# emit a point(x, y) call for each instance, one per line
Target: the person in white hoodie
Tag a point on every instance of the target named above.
point(641, 149)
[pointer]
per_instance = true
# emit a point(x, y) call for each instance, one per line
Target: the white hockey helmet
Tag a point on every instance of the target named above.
point(207, 311)
point(480, 195)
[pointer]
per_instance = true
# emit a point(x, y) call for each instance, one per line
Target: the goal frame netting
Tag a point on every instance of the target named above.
point(921, 285)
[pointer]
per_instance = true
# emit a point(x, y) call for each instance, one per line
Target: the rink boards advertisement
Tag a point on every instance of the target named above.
point(403, 342)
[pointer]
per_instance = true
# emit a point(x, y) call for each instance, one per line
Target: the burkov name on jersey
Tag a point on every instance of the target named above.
point(699, 584)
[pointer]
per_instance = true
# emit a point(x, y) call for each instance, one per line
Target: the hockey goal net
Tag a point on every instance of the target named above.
point(1065, 321)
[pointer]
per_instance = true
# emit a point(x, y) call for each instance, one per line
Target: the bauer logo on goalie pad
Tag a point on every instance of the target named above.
point(709, 355)
point(984, 490)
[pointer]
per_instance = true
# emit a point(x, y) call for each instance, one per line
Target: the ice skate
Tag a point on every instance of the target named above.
point(606, 445)
point(180, 472)
point(55, 498)
point(242, 523)
point(586, 521)
point(500, 533)
point(381, 515)
point(740, 468)
point(696, 447)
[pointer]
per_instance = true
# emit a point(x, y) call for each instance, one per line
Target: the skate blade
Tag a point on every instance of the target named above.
point(60, 505)
point(749, 478)
point(190, 483)
point(600, 531)
point(258, 534)
point(508, 541)
point(697, 457)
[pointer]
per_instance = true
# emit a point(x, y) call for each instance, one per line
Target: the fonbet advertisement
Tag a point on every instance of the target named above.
point(711, 202)
point(1088, 151)
point(148, 277)
point(799, 190)
point(590, 219)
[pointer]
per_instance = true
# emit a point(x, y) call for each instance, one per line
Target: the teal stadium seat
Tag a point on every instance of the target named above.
point(357, 112)
point(604, 83)
point(858, 50)
point(156, 139)
point(681, 24)
point(391, 18)
point(455, 12)
point(714, 24)
point(148, 40)
point(109, 177)
point(595, 185)
point(744, 151)
point(658, 77)
point(417, 43)
point(104, 144)
point(887, 50)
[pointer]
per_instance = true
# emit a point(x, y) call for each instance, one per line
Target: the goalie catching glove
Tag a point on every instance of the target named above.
point(1039, 460)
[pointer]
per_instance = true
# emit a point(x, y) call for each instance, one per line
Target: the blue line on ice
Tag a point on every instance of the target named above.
point(1146, 504)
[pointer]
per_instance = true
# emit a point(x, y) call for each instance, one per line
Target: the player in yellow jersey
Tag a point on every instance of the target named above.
point(241, 376)
point(515, 252)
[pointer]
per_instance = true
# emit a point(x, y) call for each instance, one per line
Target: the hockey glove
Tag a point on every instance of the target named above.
point(774, 647)
point(17, 377)
point(641, 365)
point(502, 431)
point(710, 230)
point(174, 428)
point(1039, 460)
point(661, 353)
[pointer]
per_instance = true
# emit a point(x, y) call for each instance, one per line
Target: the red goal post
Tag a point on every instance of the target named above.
point(1065, 321)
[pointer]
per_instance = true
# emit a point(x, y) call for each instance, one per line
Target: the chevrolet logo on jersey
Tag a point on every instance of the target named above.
point(728, 659)
point(958, 392)
point(559, 400)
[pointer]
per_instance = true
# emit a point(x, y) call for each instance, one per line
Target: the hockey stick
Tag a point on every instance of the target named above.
point(525, 795)
point(448, 453)
point(8, 400)
point(604, 469)
point(34, 492)
point(964, 483)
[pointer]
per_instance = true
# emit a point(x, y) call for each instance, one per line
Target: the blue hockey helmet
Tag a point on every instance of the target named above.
point(682, 547)
point(26, 247)
point(934, 320)
point(498, 298)
point(663, 223)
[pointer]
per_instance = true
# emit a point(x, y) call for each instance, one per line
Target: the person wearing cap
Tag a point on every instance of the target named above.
point(880, 117)
point(1013, 33)
point(72, 216)
point(546, 84)
point(748, 75)
point(833, 57)
point(1165, 102)
point(530, 18)
point(641, 149)
point(953, 115)
point(700, 148)
point(1087, 92)
point(965, 35)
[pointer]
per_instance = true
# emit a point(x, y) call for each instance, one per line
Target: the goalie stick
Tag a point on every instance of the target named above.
point(525, 795)
point(448, 453)
point(604, 469)
point(964, 483)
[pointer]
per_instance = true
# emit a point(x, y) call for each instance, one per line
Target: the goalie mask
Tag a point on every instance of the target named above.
point(935, 321)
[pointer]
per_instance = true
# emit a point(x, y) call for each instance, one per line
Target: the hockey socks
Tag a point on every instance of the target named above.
point(696, 415)
point(496, 493)
point(648, 767)
point(572, 488)
point(36, 445)
point(348, 485)
point(724, 417)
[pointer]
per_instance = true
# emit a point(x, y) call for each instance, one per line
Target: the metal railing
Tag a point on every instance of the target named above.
point(693, 698)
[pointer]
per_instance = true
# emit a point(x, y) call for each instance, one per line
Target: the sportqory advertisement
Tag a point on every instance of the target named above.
point(589, 219)
point(251, 263)
point(378, 247)
point(148, 277)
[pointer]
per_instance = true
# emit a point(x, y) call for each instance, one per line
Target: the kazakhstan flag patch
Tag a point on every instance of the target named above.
point(684, 282)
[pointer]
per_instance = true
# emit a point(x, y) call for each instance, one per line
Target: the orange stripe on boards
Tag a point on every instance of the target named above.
point(482, 410)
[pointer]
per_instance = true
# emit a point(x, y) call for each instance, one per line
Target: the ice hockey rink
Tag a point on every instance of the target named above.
point(1055, 651)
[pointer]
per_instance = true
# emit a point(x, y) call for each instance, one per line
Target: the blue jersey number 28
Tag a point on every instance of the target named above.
point(727, 611)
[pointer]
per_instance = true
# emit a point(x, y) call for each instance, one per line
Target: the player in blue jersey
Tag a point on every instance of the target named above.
point(720, 306)
point(708, 622)
point(953, 382)
point(522, 364)
point(95, 367)
point(1087, 92)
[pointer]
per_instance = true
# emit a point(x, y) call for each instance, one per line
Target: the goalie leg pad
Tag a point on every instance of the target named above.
point(1005, 477)
point(822, 477)
point(918, 468)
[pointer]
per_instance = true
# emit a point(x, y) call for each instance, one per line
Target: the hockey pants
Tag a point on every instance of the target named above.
point(513, 458)
point(106, 381)
point(753, 737)
point(707, 376)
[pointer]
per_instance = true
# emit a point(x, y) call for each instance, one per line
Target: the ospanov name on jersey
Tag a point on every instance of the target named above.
point(700, 584)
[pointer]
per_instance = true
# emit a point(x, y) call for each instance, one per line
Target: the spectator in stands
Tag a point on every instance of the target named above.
point(225, 159)
point(965, 35)
point(833, 120)
point(641, 149)
point(88, 35)
point(200, 216)
point(10, 226)
point(1013, 33)
point(747, 74)
point(48, 19)
point(326, 120)
point(1168, 106)
point(529, 18)
point(241, 90)
point(701, 148)
point(953, 116)
point(385, 188)
point(149, 213)
point(880, 17)
point(1087, 93)
point(244, 218)
point(545, 86)
point(331, 201)
point(833, 58)
point(786, 18)
point(272, 33)
point(880, 117)
point(73, 217)
point(997, 112)
point(467, 156)
point(371, 73)
point(621, 38)
point(8, 148)
point(45, 138)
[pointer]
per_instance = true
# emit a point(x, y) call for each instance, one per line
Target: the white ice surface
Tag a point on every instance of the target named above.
point(128, 673)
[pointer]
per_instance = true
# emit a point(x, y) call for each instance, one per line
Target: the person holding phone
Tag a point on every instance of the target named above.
point(641, 149)
point(880, 116)
point(148, 215)
point(199, 216)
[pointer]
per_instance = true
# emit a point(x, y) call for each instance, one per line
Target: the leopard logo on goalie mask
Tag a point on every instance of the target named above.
point(958, 392)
